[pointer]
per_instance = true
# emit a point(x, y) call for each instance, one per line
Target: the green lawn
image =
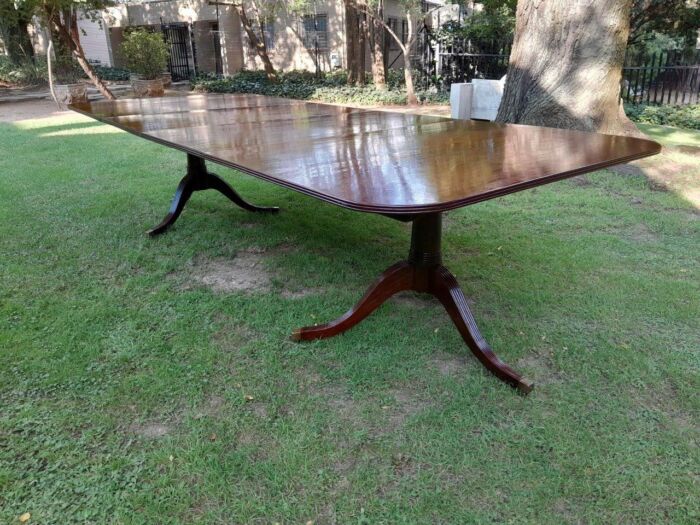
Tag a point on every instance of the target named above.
point(134, 390)
point(670, 136)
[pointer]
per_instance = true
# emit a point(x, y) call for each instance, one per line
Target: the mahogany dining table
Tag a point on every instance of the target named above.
point(408, 167)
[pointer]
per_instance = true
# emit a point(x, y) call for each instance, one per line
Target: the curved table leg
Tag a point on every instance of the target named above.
point(396, 279)
point(423, 272)
point(444, 286)
point(182, 195)
point(198, 179)
point(215, 182)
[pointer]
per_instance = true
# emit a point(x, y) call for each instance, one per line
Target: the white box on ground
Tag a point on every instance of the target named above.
point(479, 99)
point(461, 101)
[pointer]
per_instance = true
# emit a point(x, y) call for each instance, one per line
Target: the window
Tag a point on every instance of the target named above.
point(393, 24)
point(268, 32)
point(404, 31)
point(315, 31)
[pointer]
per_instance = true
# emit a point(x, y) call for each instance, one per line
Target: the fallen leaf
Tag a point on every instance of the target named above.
point(212, 437)
point(25, 517)
point(249, 398)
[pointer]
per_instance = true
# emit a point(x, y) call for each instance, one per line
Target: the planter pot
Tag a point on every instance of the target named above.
point(70, 93)
point(167, 79)
point(147, 88)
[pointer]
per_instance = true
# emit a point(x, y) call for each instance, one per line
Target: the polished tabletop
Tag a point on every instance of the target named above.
point(374, 161)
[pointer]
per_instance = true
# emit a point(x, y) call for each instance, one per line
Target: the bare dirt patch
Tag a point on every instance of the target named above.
point(407, 403)
point(414, 300)
point(150, 430)
point(243, 273)
point(212, 407)
point(30, 109)
point(540, 368)
point(450, 365)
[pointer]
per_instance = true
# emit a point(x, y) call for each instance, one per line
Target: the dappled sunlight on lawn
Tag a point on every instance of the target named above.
point(670, 136)
point(52, 121)
point(87, 130)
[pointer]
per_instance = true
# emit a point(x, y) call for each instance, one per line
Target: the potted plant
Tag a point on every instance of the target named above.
point(69, 86)
point(146, 56)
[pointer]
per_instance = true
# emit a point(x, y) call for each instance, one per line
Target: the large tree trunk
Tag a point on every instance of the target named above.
point(566, 65)
point(257, 43)
point(71, 39)
point(351, 41)
point(376, 41)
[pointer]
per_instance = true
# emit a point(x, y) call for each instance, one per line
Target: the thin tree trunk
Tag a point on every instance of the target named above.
point(257, 43)
point(49, 67)
point(376, 38)
point(566, 66)
point(71, 39)
point(361, 49)
point(411, 98)
point(351, 38)
point(408, 68)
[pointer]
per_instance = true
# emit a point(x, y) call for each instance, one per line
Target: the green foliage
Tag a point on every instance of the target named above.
point(66, 69)
point(112, 73)
point(27, 73)
point(677, 116)
point(305, 85)
point(146, 53)
point(494, 23)
point(676, 19)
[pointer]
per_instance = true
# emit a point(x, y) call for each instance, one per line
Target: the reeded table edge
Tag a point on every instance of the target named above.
point(369, 208)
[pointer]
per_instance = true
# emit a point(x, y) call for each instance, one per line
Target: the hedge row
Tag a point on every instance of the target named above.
point(34, 72)
point(305, 85)
point(678, 116)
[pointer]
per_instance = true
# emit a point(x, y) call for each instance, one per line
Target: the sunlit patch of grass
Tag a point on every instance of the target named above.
point(130, 392)
point(670, 136)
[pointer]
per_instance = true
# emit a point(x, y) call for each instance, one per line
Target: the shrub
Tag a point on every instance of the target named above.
point(112, 73)
point(146, 53)
point(306, 85)
point(29, 73)
point(678, 116)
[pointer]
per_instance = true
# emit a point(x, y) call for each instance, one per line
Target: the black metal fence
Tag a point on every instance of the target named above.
point(443, 61)
point(667, 77)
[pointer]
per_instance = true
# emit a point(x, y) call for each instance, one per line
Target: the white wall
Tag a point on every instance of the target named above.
point(93, 37)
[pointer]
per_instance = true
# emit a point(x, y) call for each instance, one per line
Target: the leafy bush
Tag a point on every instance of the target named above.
point(112, 73)
point(29, 73)
point(678, 116)
point(305, 85)
point(146, 53)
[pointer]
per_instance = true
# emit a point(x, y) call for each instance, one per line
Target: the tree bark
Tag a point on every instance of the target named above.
point(257, 43)
point(351, 41)
point(71, 39)
point(565, 66)
point(376, 42)
point(361, 49)
point(408, 68)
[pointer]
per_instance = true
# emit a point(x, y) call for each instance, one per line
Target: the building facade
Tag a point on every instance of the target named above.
point(206, 36)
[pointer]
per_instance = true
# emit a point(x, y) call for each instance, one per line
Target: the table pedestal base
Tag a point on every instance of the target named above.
point(198, 179)
point(423, 272)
